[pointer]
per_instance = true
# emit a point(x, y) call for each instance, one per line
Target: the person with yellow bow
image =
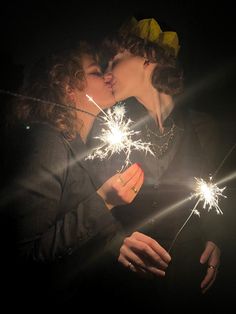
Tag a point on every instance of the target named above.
point(143, 71)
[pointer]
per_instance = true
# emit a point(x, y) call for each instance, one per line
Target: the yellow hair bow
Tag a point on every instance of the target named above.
point(150, 30)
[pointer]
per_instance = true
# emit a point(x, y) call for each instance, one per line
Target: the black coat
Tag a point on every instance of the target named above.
point(193, 152)
point(55, 227)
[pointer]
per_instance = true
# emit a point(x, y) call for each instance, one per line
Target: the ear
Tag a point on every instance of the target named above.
point(70, 93)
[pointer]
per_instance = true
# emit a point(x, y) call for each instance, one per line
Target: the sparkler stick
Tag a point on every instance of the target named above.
point(208, 193)
point(117, 135)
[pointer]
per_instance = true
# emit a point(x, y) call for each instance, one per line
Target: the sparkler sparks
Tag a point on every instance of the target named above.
point(209, 193)
point(116, 136)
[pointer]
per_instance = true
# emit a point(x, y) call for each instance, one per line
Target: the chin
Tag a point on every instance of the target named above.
point(108, 103)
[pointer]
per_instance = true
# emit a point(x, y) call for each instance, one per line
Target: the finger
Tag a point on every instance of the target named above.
point(124, 182)
point(145, 252)
point(135, 184)
point(126, 263)
point(129, 191)
point(140, 264)
point(206, 253)
point(138, 184)
point(130, 172)
point(131, 257)
point(133, 179)
point(215, 257)
point(204, 290)
point(156, 247)
point(209, 276)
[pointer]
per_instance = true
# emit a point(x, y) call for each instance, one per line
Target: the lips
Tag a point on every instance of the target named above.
point(113, 86)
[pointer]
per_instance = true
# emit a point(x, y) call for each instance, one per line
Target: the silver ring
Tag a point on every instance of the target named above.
point(130, 265)
point(212, 266)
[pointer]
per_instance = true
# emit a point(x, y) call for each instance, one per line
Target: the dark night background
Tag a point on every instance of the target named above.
point(208, 54)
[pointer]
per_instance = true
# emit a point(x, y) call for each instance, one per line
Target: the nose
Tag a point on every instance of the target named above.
point(108, 77)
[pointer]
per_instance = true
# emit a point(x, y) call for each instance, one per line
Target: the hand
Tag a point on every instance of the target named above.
point(211, 255)
point(144, 255)
point(122, 188)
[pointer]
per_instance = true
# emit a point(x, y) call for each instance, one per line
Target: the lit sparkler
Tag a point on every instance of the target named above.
point(207, 192)
point(116, 136)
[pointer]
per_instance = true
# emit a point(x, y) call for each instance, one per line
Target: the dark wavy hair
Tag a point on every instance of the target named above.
point(167, 77)
point(47, 81)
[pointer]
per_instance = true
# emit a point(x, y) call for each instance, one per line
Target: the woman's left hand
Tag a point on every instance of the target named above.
point(122, 188)
point(211, 255)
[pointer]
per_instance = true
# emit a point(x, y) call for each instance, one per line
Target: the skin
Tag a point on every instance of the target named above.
point(113, 191)
point(129, 76)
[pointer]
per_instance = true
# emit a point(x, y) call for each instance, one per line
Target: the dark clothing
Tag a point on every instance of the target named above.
point(57, 226)
point(187, 149)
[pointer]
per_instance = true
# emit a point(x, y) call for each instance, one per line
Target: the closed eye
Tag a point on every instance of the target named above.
point(96, 73)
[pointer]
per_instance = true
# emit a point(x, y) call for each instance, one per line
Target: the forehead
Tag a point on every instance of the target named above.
point(88, 61)
point(122, 55)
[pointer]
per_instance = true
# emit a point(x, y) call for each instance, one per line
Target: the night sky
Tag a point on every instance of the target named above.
point(207, 37)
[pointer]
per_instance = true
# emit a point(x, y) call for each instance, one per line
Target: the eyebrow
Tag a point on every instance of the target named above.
point(93, 64)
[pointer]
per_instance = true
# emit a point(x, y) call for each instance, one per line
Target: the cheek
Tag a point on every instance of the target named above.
point(97, 89)
point(94, 85)
point(127, 72)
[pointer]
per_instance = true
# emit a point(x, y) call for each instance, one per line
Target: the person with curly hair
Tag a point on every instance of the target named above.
point(55, 223)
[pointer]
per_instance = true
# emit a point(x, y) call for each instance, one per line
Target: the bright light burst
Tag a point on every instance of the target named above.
point(116, 136)
point(209, 193)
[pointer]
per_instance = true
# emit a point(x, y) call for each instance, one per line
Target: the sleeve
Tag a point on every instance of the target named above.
point(43, 230)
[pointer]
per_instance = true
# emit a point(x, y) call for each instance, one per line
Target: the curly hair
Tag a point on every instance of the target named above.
point(167, 76)
point(47, 80)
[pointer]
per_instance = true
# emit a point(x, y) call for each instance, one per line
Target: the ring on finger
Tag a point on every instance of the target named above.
point(212, 267)
point(134, 189)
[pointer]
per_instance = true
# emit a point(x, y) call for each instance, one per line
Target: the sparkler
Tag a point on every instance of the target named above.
point(116, 136)
point(207, 192)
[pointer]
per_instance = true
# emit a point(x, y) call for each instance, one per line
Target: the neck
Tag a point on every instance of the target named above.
point(87, 123)
point(159, 105)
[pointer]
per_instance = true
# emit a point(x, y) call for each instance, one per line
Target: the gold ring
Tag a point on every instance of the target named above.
point(212, 266)
point(134, 189)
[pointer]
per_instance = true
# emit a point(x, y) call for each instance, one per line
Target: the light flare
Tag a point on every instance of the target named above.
point(209, 193)
point(117, 136)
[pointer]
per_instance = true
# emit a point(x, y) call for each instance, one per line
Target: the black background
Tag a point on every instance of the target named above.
point(207, 34)
point(207, 37)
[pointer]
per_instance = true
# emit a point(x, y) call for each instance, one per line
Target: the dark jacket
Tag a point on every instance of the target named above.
point(163, 203)
point(56, 226)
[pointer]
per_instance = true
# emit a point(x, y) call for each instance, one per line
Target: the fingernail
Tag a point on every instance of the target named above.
point(137, 163)
point(167, 256)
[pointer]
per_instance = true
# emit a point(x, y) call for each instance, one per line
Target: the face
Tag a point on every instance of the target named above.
point(95, 87)
point(128, 75)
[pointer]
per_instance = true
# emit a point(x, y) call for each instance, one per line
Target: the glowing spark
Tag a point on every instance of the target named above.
point(209, 193)
point(116, 136)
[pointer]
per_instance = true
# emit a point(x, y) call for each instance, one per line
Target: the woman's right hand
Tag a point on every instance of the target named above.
point(123, 187)
point(144, 255)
